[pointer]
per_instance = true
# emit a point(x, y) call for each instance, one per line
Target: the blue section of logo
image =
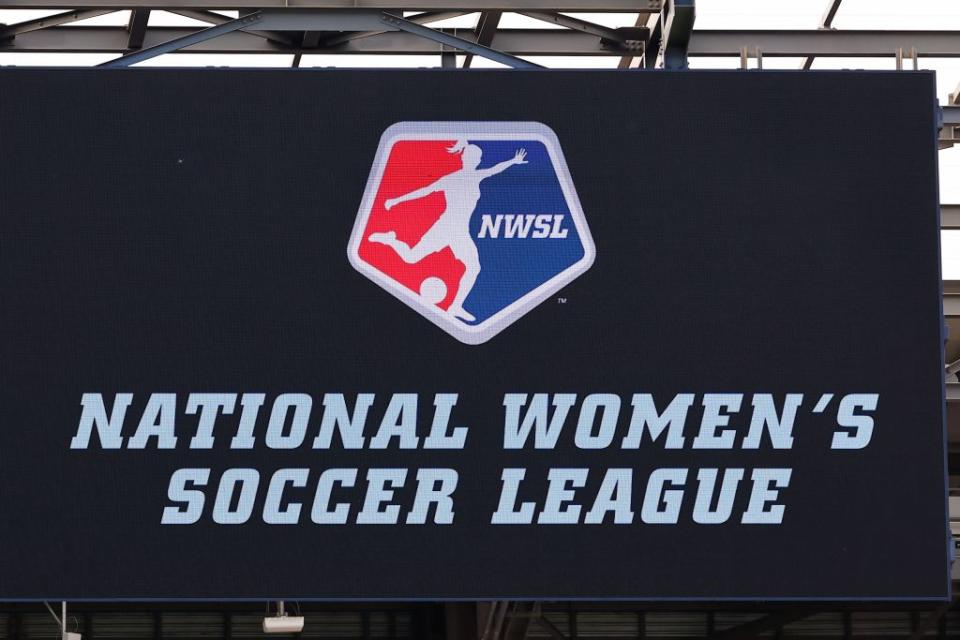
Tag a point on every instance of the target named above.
point(511, 267)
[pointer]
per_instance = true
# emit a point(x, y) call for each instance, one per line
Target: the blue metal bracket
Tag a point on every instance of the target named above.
point(676, 25)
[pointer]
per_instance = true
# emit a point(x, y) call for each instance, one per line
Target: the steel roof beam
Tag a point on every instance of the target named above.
point(470, 6)
point(12, 30)
point(212, 17)
point(547, 42)
point(950, 216)
point(533, 42)
point(825, 43)
point(576, 24)
point(185, 41)
point(422, 18)
point(449, 40)
point(201, 15)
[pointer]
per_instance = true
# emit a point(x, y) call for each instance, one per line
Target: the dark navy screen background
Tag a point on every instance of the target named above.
point(185, 231)
point(511, 267)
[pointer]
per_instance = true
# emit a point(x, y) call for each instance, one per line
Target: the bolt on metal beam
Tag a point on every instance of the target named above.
point(519, 42)
point(576, 24)
point(676, 27)
point(212, 17)
point(180, 43)
point(12, 30)
point(601, 6)
point(421, 18)
point(456, 42)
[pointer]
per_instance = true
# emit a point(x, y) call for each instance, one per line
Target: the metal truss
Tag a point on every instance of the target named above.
point(386, 27)
point(827, 43)
point(470, 6)
point(524, 42)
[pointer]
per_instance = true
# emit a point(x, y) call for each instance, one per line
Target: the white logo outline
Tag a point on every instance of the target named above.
point(490, 130)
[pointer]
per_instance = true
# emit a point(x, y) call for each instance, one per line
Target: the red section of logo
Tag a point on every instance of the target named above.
point(413, 164)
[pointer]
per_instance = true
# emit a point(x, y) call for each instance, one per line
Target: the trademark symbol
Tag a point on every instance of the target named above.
point(561, 301)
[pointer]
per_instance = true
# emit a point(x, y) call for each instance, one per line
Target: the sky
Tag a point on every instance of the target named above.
point(711, 14)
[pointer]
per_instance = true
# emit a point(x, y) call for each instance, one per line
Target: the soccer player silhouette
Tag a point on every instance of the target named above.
point(461, 190)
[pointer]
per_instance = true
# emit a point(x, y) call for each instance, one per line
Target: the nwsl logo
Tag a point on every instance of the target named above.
point(472, 224)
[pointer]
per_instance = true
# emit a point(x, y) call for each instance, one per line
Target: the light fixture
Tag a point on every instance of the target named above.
point(282, 623)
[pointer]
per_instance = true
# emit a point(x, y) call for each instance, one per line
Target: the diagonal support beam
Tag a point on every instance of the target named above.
point(486, 29)
point(137, 29)
point(576, 24)
point(212, 17)
point(203, 15)
point(421, 18)
point(626, 38)
point(12, 30)
point(457, 43)
point(826, 22)
point(179, 43)
point(519, 42)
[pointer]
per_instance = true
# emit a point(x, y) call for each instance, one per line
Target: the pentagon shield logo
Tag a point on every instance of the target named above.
point(471, 224)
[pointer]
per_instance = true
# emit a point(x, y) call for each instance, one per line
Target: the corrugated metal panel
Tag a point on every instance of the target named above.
point(724, 621)
point(676, 625)
point(821, 624)
point(333, 625)
point(608, 625)
point(191, 625)
point(244, 625)
point(881, 623)
point(349, 625)
point(122, 625)
point(38, 625)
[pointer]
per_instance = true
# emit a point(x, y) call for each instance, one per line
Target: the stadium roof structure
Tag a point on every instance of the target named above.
point(624, 34)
